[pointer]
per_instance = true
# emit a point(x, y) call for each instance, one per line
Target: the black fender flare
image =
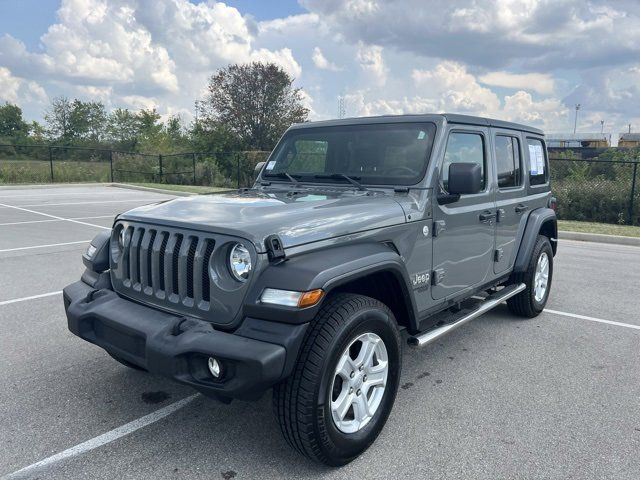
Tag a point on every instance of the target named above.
point(326, 269)
point(538, 219)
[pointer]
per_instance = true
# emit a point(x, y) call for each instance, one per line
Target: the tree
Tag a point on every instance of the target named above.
point(256, 101)
point(122, 128)
point(73, 121)
point(58, 119)
point(12, 125)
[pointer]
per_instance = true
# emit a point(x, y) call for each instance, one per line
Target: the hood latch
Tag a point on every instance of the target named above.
point(275, 250)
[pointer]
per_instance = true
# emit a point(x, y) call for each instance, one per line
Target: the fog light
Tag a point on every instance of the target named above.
point(214, 367)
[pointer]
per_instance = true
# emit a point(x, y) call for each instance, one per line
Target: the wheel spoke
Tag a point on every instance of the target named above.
point(345, 366)
point(365, 357)
point(361, 407)
point(342, 404)
point(377, 375)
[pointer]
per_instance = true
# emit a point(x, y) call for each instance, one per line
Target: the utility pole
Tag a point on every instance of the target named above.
point(601, 126)
point(629, 128)
point(575, 122)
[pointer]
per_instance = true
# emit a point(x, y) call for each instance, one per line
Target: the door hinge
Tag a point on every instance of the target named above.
point(500, 214)
point(498, 254)
point(438, 227)
point(437, 276)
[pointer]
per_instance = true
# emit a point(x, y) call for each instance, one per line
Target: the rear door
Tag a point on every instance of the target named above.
point(463, 231)
point(510, 195)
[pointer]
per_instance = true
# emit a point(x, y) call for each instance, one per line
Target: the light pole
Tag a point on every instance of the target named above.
point(575, 122)
point(601, 126)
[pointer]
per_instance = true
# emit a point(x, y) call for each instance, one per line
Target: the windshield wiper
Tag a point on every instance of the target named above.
point(336, 176)
point(291, 178)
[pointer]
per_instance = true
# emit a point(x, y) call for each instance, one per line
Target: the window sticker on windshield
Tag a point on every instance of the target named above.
point(536, 158)
point(271, 165)
point(421, 135)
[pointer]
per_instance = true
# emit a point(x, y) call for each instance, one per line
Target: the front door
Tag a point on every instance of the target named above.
point(464, 231)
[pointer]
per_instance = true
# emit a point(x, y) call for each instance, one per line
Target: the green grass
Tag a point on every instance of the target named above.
point(39, 171)
point(603, 228)
point(182, 188)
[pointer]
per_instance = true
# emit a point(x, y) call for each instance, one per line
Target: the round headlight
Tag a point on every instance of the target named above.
point(121, 238)
point(240, 262)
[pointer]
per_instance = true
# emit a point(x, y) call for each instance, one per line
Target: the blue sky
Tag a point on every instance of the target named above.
point(522, 60)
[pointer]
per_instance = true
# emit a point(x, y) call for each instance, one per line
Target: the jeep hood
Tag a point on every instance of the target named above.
point(298, 219)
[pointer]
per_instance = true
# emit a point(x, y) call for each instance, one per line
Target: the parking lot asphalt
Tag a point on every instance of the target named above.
point(553, 397)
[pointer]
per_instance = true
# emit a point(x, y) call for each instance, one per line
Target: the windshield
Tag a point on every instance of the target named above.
point(374, 154)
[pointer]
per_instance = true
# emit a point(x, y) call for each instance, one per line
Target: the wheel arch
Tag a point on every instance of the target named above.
point(372, 269)
point(541, 221)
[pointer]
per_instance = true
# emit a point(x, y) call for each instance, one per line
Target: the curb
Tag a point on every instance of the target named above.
point(175, 193)
point(29, 186)
point(599, 238)
point(152, 189)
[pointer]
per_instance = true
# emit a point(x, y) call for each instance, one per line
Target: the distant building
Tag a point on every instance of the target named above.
point(629, 140)
point(578, 140)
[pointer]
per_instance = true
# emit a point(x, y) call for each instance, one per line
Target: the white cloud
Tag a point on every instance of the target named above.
point(537, 82)
point(404, 56)
point(142, 53)
point(18, 90)
point(456, 89)
point(321, 62)
point(371, 62)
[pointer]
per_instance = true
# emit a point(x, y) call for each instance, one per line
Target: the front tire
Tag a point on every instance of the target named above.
point(531, 301)
point(341, 392)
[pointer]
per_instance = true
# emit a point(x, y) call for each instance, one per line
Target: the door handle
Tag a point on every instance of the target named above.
point(486, 216)
point(522, 208)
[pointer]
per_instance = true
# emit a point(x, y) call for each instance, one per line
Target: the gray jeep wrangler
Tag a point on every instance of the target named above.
point(357, 234)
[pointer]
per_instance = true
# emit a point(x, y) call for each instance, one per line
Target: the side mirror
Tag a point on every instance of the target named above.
point(464, 178)
point(258, 168)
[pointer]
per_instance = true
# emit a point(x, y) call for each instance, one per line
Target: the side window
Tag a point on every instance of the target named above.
point(538, 166)
point(464, 148)
point(508, 161)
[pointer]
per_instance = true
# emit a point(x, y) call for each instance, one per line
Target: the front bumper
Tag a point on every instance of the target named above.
point(174, 346)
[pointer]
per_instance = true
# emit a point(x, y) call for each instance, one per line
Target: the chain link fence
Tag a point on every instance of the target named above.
point(597, 185)
point(60, 164)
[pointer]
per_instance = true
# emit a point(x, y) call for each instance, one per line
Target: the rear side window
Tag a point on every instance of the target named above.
point(508, 161)
point(538, 166)
point(463, 148)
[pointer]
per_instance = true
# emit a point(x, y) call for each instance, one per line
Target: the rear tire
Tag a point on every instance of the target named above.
point(351, 337)
point(531, 301)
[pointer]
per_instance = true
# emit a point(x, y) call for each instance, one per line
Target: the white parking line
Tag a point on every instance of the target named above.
point(105, 438)
point(55, 220)
point(54, 216)
point(43, 246)
point(593, 319)
point(57, 194)
point(129, 200)
point(32, 297)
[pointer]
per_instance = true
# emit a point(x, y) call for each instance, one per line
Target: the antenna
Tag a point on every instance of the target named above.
point(342, 108)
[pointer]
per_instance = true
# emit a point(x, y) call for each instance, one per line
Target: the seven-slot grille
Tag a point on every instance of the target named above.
point(170, 266)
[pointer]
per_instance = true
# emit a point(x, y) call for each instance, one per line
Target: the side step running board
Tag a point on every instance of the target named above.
point(432, 335)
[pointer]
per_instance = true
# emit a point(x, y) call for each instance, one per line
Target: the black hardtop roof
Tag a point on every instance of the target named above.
point(428, 117)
